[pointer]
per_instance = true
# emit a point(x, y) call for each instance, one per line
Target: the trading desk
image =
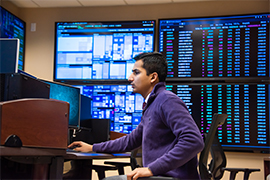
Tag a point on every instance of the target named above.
point(47, 163)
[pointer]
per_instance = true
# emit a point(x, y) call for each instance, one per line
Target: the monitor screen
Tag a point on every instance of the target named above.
point(9, 49)
point(85, 111)
point(99, 50)
point(247, 106)
point(13, 27)
point(70, 94)
point(117, 103)
point(216, 47)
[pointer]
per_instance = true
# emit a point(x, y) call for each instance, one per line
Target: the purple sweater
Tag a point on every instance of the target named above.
point(169, 137)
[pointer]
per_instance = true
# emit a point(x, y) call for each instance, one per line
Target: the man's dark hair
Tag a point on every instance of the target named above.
point(154, 62)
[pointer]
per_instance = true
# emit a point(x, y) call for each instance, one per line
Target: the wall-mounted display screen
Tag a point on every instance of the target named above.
point(13, 27)
point(99, 50)
point(248, 105)
point(216, 47)
point(115, 102)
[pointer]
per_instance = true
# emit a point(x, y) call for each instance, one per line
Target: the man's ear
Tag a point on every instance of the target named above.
point(154, 77)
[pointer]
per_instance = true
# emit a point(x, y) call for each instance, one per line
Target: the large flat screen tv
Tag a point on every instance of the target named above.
point(247, 106)
point(234, 47)
point(13, 27)
point(86, 51)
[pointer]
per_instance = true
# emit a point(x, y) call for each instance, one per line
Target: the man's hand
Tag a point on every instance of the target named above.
point(81, 146)
point(139, 172)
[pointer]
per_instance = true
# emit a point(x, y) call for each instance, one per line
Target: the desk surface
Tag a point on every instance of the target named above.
point(30, 151)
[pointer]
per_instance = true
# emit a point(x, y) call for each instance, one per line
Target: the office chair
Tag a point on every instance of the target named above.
point(217, 166)
point(119, 166)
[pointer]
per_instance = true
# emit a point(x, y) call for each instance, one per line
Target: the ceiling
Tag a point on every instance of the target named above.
point(88, 3)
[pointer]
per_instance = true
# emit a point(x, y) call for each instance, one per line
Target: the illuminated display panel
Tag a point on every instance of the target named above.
point(13, 27)
point(247, 126)
point(70, 94)
point(99, 50)
point(115, 102)
point(223, 47)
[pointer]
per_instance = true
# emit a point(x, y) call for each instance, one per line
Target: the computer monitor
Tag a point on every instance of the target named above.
point(70, 94)
point(13, 27)
point(85, 112)
point(86, 51)
point(9, 55)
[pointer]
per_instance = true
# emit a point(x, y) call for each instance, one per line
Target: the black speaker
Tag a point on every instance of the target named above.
point(91, 131)
point(18, 86)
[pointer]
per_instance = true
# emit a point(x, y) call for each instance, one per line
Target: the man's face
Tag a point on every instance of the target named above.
point(141, 83)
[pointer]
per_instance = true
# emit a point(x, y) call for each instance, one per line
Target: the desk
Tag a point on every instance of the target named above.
point(47, 162)
point(82, 166)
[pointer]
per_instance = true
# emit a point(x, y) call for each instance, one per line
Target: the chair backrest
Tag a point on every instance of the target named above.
point(134, 157)
point(205, 173)
point(218, 161)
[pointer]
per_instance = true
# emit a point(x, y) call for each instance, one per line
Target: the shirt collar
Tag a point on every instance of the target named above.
point(147, 97)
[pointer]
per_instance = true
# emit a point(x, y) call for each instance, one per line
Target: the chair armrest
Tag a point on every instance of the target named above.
point(118, 164)
point(157, 178)
point(234, 171)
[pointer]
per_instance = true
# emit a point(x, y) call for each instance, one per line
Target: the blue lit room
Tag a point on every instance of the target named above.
point(81, 52)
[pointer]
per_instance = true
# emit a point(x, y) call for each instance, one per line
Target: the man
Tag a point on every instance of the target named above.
point(169, 137)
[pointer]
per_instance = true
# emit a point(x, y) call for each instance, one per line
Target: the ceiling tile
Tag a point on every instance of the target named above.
point(24, 3)
point(102, 2)
point(132, 2)
point(57, 3)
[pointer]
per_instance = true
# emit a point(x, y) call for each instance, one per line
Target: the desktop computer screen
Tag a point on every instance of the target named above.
point(9, 56)
point(70, 94)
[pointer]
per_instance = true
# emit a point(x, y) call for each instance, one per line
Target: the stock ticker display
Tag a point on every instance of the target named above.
point(231, 46)
point(247, 105)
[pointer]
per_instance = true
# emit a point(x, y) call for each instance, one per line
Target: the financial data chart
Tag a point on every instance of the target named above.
point(247, 126)
point(231, 46)
point(100, 50)
point(115, 102)
point(13, 27)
